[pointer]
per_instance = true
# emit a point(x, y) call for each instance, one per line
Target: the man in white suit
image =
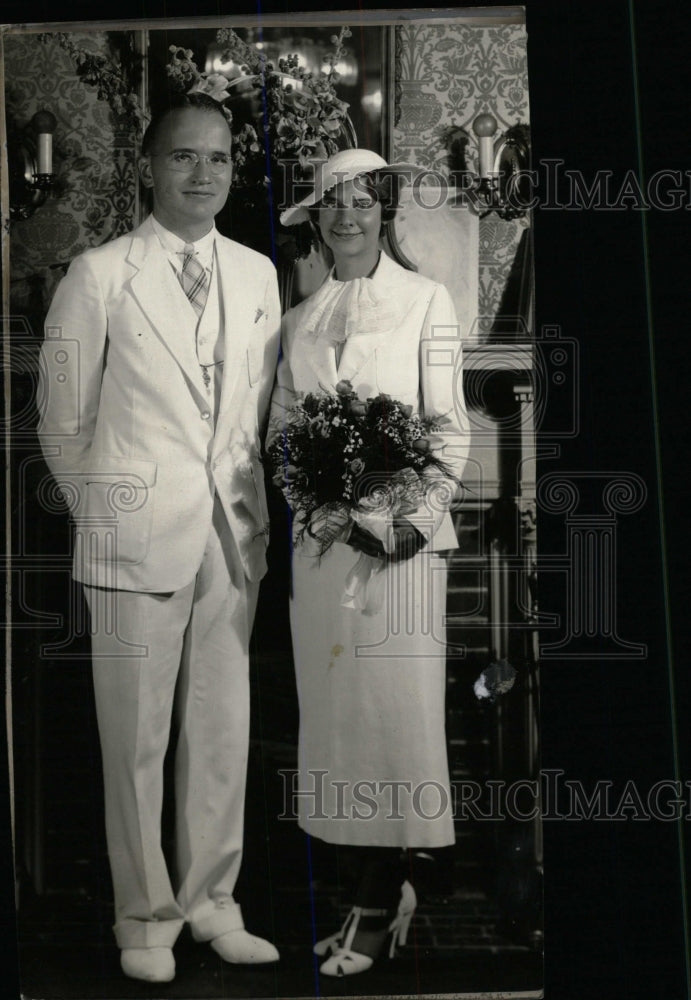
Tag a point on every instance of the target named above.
point(157, 366)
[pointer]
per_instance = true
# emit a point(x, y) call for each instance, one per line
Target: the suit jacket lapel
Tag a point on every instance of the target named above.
point(357, 351)
point(322, 360)
point(236, 284)
point(157, 291)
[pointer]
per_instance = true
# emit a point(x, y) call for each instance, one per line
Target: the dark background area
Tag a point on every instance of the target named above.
point(617, 282)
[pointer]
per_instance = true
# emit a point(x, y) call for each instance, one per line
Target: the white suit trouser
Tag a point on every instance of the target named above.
point(196, 640)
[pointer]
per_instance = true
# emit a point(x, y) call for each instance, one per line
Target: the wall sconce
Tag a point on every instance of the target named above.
point(503, 186)
point(30, 163)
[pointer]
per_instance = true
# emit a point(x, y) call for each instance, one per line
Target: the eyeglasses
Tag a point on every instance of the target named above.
point(185, 161)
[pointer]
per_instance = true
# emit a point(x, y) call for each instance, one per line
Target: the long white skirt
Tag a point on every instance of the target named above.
point(372, 759)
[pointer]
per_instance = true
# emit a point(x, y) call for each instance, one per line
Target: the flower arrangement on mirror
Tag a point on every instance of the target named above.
point(284, 116)
point(114, 72)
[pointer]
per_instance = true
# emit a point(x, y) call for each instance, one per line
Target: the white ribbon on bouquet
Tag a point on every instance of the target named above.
point(365, 583)
point(365, 587)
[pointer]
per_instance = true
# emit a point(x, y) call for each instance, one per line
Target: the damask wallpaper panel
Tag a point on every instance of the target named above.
point(96, 195)
point(444, 76)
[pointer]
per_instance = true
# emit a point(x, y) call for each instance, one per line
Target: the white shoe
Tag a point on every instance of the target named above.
point(400, 925)
point(154, 965)
point(346, 962)
point(330, 945)
point(242, 948)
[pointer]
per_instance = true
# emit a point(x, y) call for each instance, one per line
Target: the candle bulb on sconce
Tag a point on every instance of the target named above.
point(30, 162)
point(501, 184)
point(485, 127)
point(44, 123)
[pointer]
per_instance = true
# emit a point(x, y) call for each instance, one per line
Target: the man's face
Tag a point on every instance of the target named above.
point(188, 195)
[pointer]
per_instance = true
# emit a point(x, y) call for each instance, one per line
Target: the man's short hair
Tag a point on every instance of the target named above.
point(178, 102)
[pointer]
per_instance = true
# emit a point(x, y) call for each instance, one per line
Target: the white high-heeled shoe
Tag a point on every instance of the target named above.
point(330, 945)
point(346, 962)
point(400, 925)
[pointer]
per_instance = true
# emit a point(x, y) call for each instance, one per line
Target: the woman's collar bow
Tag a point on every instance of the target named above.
point(343, 309)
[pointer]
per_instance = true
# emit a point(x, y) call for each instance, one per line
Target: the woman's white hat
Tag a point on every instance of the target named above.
point(338, 169)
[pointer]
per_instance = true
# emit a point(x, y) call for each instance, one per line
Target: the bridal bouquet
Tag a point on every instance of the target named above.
point(341, 460)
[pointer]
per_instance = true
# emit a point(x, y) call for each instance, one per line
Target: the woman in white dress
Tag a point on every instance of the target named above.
point(372, 760)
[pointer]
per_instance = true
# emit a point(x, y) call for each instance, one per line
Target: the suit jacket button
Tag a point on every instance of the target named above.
point(205, 415)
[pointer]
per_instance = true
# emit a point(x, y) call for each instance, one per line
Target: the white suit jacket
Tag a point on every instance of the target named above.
point(406, 342)
point(126, 427)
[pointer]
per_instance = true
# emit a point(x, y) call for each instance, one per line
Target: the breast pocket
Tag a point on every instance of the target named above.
point(115, 525)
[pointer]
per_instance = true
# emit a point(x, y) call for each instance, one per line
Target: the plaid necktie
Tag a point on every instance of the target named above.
point(193, 279)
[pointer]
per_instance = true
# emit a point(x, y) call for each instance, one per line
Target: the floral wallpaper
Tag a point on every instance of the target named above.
point(445, 75)
point(97, 193)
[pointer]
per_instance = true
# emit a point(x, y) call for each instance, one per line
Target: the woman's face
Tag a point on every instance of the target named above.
point(350, 223)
